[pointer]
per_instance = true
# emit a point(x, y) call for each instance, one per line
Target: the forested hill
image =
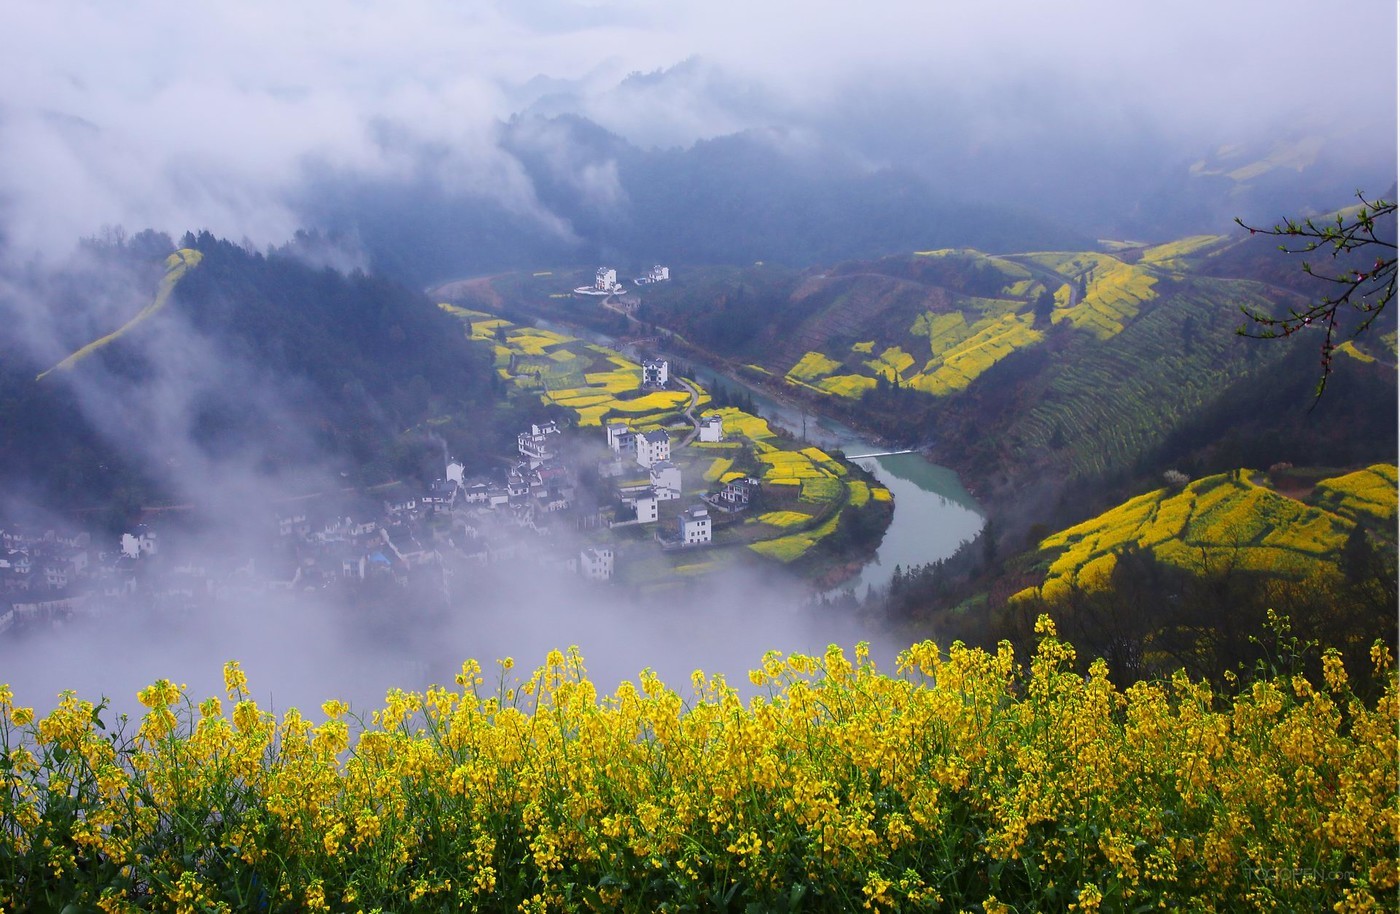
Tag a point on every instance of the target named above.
point(256, 360)
point(371, 357)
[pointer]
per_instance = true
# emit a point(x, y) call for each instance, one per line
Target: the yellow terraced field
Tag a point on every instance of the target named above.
point(813, 365)
point(1368, 494)
point(1349, 348)
point(615, 382)
point(1167, 254)
point(822, 489)
point(789, 548)
point(1228, 517)
point(738, 422)
point(654, 402)
point(719, 466)
point(892, 363)
point(846, 385)
point(788, 469)
point(784, 518)
point(993, 341)
point(580, 400)
point(592, 415)
point(1115, 291)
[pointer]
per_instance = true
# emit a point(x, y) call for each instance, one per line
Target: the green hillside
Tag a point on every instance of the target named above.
point(935, 321)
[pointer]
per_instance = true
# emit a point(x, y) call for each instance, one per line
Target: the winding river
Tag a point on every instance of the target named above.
point(933, 513)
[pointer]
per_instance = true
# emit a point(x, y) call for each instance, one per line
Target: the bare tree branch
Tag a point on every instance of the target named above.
point(1360, 291)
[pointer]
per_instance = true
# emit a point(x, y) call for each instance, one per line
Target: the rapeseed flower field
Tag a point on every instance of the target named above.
point(961, 780)
point(1229, 516)
point(956, 353)
point(1366, 495)
point(945, 350)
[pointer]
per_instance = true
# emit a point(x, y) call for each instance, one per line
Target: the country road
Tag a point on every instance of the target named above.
point(690, 410)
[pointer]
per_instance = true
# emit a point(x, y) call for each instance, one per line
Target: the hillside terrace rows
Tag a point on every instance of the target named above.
point(1232, 518)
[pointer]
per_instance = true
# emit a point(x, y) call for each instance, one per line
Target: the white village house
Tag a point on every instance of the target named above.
point(645, 505)
point(656, 373)
point(142, 542)
point(695, 526)
point(652, 447)
point(538, 444)
point(604, 283)
point(736, 494)
point(666, 480)
point(596, 564)
point(712, 428)
point(619, 437)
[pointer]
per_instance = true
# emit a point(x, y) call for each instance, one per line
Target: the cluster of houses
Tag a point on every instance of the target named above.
point(651, 450)
point(456, 521)
point(44, 572)
point(49, 575)
point(605, 281)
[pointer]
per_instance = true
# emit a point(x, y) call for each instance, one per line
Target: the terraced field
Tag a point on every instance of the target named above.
point(1367, 497)
point(1176, 255)
point(1163, 366)
point(981, 310)
point(985, 315)
point(1230, 518)
point(1114, 291)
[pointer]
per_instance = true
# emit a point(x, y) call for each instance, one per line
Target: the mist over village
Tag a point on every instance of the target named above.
point(592, 456)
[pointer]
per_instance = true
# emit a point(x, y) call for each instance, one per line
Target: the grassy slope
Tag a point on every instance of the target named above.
point(1110, 399)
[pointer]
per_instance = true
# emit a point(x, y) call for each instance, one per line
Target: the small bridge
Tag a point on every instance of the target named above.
point(908, 450)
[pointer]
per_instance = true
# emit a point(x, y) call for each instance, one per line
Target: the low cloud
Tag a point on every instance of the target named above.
point(156, 114)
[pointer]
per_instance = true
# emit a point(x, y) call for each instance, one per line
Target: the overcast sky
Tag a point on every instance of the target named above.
point(179, 115)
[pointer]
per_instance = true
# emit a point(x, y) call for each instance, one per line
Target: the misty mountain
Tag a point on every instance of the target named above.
point(760, 194)
point(1046, 140)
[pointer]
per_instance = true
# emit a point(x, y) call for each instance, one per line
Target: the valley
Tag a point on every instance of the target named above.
point(616, 458)
point(1059, 386)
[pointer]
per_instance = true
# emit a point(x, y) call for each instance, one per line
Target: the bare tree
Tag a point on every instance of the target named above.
point(1359, 288)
